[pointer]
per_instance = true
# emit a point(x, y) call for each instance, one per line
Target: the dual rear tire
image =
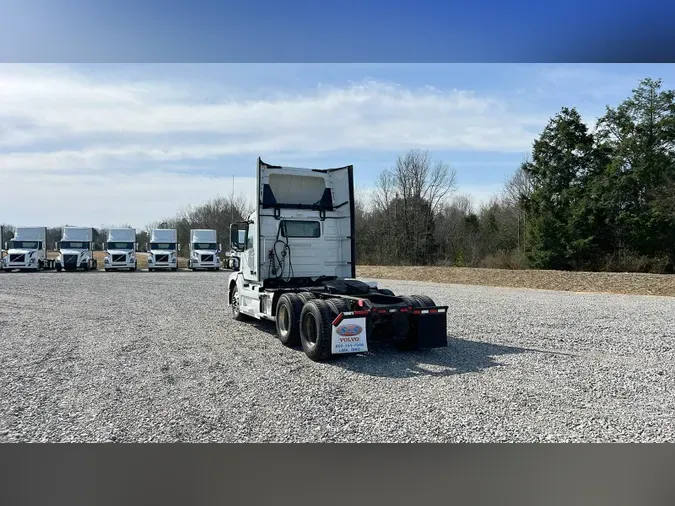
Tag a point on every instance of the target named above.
point(303, 319)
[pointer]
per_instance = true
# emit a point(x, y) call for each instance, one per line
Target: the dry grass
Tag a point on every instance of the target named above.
point(625, 283)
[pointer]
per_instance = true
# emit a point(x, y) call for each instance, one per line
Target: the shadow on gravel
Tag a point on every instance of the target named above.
point(460, 357)
point(383, 360)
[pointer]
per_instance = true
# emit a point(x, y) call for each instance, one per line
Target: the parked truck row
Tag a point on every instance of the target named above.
point(28, 251)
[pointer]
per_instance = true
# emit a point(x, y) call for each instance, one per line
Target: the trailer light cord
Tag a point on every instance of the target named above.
point(281, 262)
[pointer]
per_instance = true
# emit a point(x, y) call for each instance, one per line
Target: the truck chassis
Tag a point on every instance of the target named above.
point(332, 317)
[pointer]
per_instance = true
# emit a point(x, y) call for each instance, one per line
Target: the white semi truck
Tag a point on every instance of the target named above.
point(121, 250)
point(76, 249)
point(296, 267)
point(204, 250)
point(163, 249)
point(28, 250)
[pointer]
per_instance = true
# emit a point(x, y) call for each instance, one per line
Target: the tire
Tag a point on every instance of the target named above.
point(236, 314)
point(287, 318)
point(133, 269)
point(174, 269)
point(107, 270)
point(315, 330)
point(307, 296)
point(424, 300)
point(338, 306)
point(150, 269)
point(409, 300)
point(386, 291)
point(58, 268)
point(408, 344)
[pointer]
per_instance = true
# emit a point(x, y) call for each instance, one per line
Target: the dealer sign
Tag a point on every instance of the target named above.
point(350, 336)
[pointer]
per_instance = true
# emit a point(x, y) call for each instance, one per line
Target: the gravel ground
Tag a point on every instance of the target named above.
point(156, 357)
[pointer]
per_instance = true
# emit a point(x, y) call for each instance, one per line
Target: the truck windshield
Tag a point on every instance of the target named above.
point(204, 245)
point(120, 245)
point(74, 245)
point(300, 229)
point(162, 245)
point(24, 245)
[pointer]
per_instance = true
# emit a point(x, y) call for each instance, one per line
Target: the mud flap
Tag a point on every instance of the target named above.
point(349, 334)
point(428, 327)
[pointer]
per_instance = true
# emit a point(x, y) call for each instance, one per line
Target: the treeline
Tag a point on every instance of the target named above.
point(587, 198)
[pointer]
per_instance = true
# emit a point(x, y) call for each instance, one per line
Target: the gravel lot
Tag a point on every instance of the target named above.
point(156, 357)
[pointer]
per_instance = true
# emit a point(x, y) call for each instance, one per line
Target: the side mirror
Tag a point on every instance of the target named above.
point(6, 245)
point(238, 235)
point(56, 246)
point(234, 263)
point(178, 245)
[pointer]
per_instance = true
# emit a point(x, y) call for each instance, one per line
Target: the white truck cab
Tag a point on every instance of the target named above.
point(120, 250)
point(28, 250)
point(163, 249)
point(296, 267)
point(76, 249)
point(204, 250)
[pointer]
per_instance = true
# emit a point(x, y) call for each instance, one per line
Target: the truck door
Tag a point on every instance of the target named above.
point(249, 269)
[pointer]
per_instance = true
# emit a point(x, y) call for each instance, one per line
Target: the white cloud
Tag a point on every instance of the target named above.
point(76, 147)
point(56, 104)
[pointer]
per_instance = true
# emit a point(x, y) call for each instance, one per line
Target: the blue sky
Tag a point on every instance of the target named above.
point(348, 30)
point(133, 143)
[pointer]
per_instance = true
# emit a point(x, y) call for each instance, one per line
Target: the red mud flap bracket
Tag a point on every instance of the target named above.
point(429, 327)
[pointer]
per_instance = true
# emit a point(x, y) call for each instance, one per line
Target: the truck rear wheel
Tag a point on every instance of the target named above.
point(315, 329)
point(287, 318)
point(409, 343)
point(338, 306)
point(424, 300)
point(306, 296)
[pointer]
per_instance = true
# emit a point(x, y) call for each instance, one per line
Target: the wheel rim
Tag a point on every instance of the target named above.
point(310, 330)
point(284, 319)
point(235, 303)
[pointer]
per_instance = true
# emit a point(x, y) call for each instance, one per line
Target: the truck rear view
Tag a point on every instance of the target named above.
point(296, 266)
